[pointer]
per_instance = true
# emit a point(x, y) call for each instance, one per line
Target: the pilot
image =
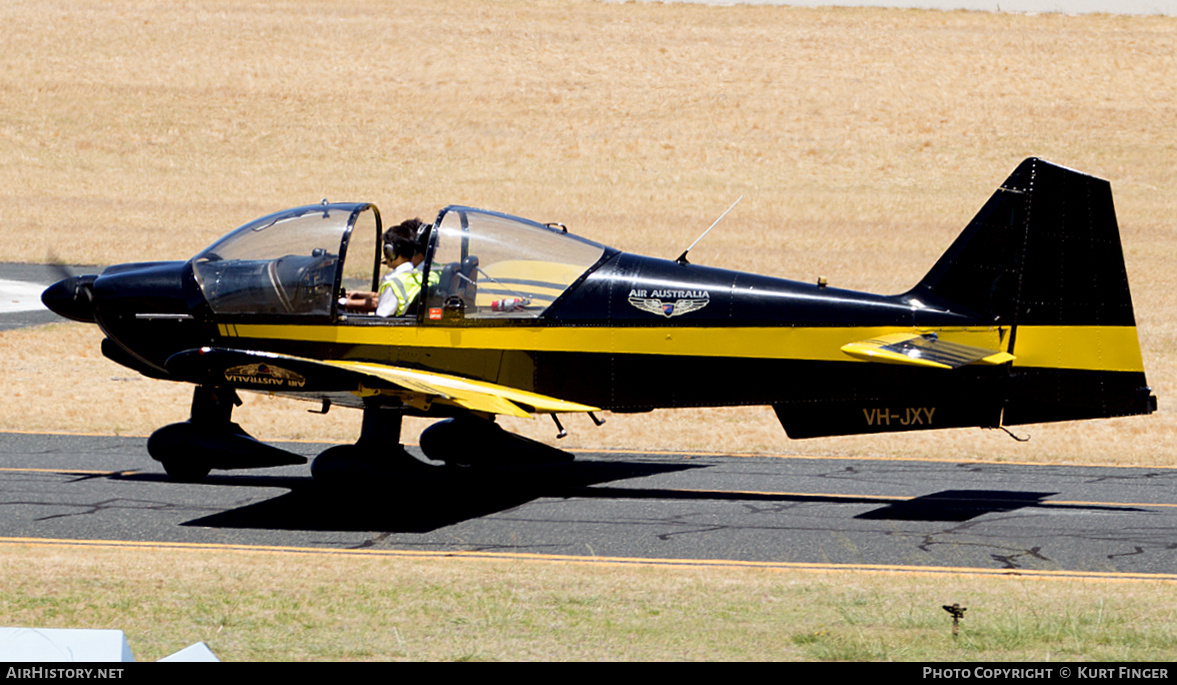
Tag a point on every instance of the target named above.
point(401, 288)
point(404, 253)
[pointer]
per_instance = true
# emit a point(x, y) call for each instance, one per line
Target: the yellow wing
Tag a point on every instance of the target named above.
point(267, 371)
point(471, 394)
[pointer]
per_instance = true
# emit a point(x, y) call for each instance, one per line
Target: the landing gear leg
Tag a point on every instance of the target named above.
point(209, 439)
point(378, 452)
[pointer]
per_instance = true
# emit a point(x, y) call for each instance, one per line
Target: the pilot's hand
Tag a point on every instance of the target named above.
point(359, 302)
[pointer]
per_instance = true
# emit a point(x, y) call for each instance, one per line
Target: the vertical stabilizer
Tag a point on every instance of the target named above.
point(1044, 250)
point(1041, 265)
point(1043, 257)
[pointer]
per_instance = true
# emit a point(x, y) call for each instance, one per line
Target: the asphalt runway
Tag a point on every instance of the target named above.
point(637, 507)
point(20, 293)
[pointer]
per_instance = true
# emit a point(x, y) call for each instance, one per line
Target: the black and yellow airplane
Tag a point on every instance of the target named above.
point(1026, 318)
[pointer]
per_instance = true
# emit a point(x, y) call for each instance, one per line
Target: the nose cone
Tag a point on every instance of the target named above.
point(72, 298)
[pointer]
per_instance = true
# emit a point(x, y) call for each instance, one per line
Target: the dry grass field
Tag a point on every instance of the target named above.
point(862, 140)
point(376, 608)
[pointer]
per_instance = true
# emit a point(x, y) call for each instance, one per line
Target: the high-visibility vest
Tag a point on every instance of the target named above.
point(405, 287)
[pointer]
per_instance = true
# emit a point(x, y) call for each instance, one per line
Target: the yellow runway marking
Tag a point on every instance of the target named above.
point(690, 455)
point(761, 493)
point(1107, 504)
point(612, 561)
point(84, 472)
point(821, 457)
point(904, 498)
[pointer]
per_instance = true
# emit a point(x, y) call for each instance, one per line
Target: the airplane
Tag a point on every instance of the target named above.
point(1027, 318)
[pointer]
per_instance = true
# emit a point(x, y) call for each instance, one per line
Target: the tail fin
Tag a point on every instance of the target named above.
point(1042, 262)
point(1043, 257)
point(1043, 251)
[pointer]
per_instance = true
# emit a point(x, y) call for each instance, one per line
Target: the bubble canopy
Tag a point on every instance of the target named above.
point(479, 264)
point(288, 262)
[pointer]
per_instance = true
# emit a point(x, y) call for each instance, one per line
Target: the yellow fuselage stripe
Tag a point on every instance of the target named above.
point(1096, 348)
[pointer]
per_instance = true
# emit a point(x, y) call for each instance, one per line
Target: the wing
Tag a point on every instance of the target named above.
point(923, 350)
point(279, 373)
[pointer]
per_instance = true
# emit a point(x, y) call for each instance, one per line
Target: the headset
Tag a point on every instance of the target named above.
point(396, 244)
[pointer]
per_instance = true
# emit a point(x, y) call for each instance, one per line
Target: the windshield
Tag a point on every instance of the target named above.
point(490, 265)
point(284, 263)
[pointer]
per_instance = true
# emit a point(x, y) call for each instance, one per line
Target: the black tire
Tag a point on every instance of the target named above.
point(336, 464)
point(352, 465)
point(457, 441)
point(473, 442)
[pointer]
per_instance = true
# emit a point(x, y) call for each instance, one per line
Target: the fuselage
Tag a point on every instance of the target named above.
point(635, 333)
point(528, 306)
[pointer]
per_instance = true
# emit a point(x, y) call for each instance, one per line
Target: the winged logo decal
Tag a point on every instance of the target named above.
point(670, 303)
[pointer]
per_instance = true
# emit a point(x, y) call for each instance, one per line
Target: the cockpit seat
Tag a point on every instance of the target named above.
point(459, 280)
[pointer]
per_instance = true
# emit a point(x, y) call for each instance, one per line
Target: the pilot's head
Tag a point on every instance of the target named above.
point(401, 242)
point(422, 237)
point(407, 241)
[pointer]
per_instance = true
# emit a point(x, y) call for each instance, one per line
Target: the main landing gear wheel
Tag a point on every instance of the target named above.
point(358, 465)
point(473, 442)
point(375, 459)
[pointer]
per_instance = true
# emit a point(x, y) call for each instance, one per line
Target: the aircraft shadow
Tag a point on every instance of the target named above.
point(425, 503)
point(417, 505)
point(947, 505)
point(963, 505)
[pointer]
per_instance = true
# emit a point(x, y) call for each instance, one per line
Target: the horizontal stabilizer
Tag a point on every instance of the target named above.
point(923, 350)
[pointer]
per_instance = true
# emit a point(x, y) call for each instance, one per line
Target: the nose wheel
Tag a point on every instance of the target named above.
point(208, 440)
point(176, 447)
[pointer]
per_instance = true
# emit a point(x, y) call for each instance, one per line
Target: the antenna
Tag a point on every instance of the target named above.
point(682, 258)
